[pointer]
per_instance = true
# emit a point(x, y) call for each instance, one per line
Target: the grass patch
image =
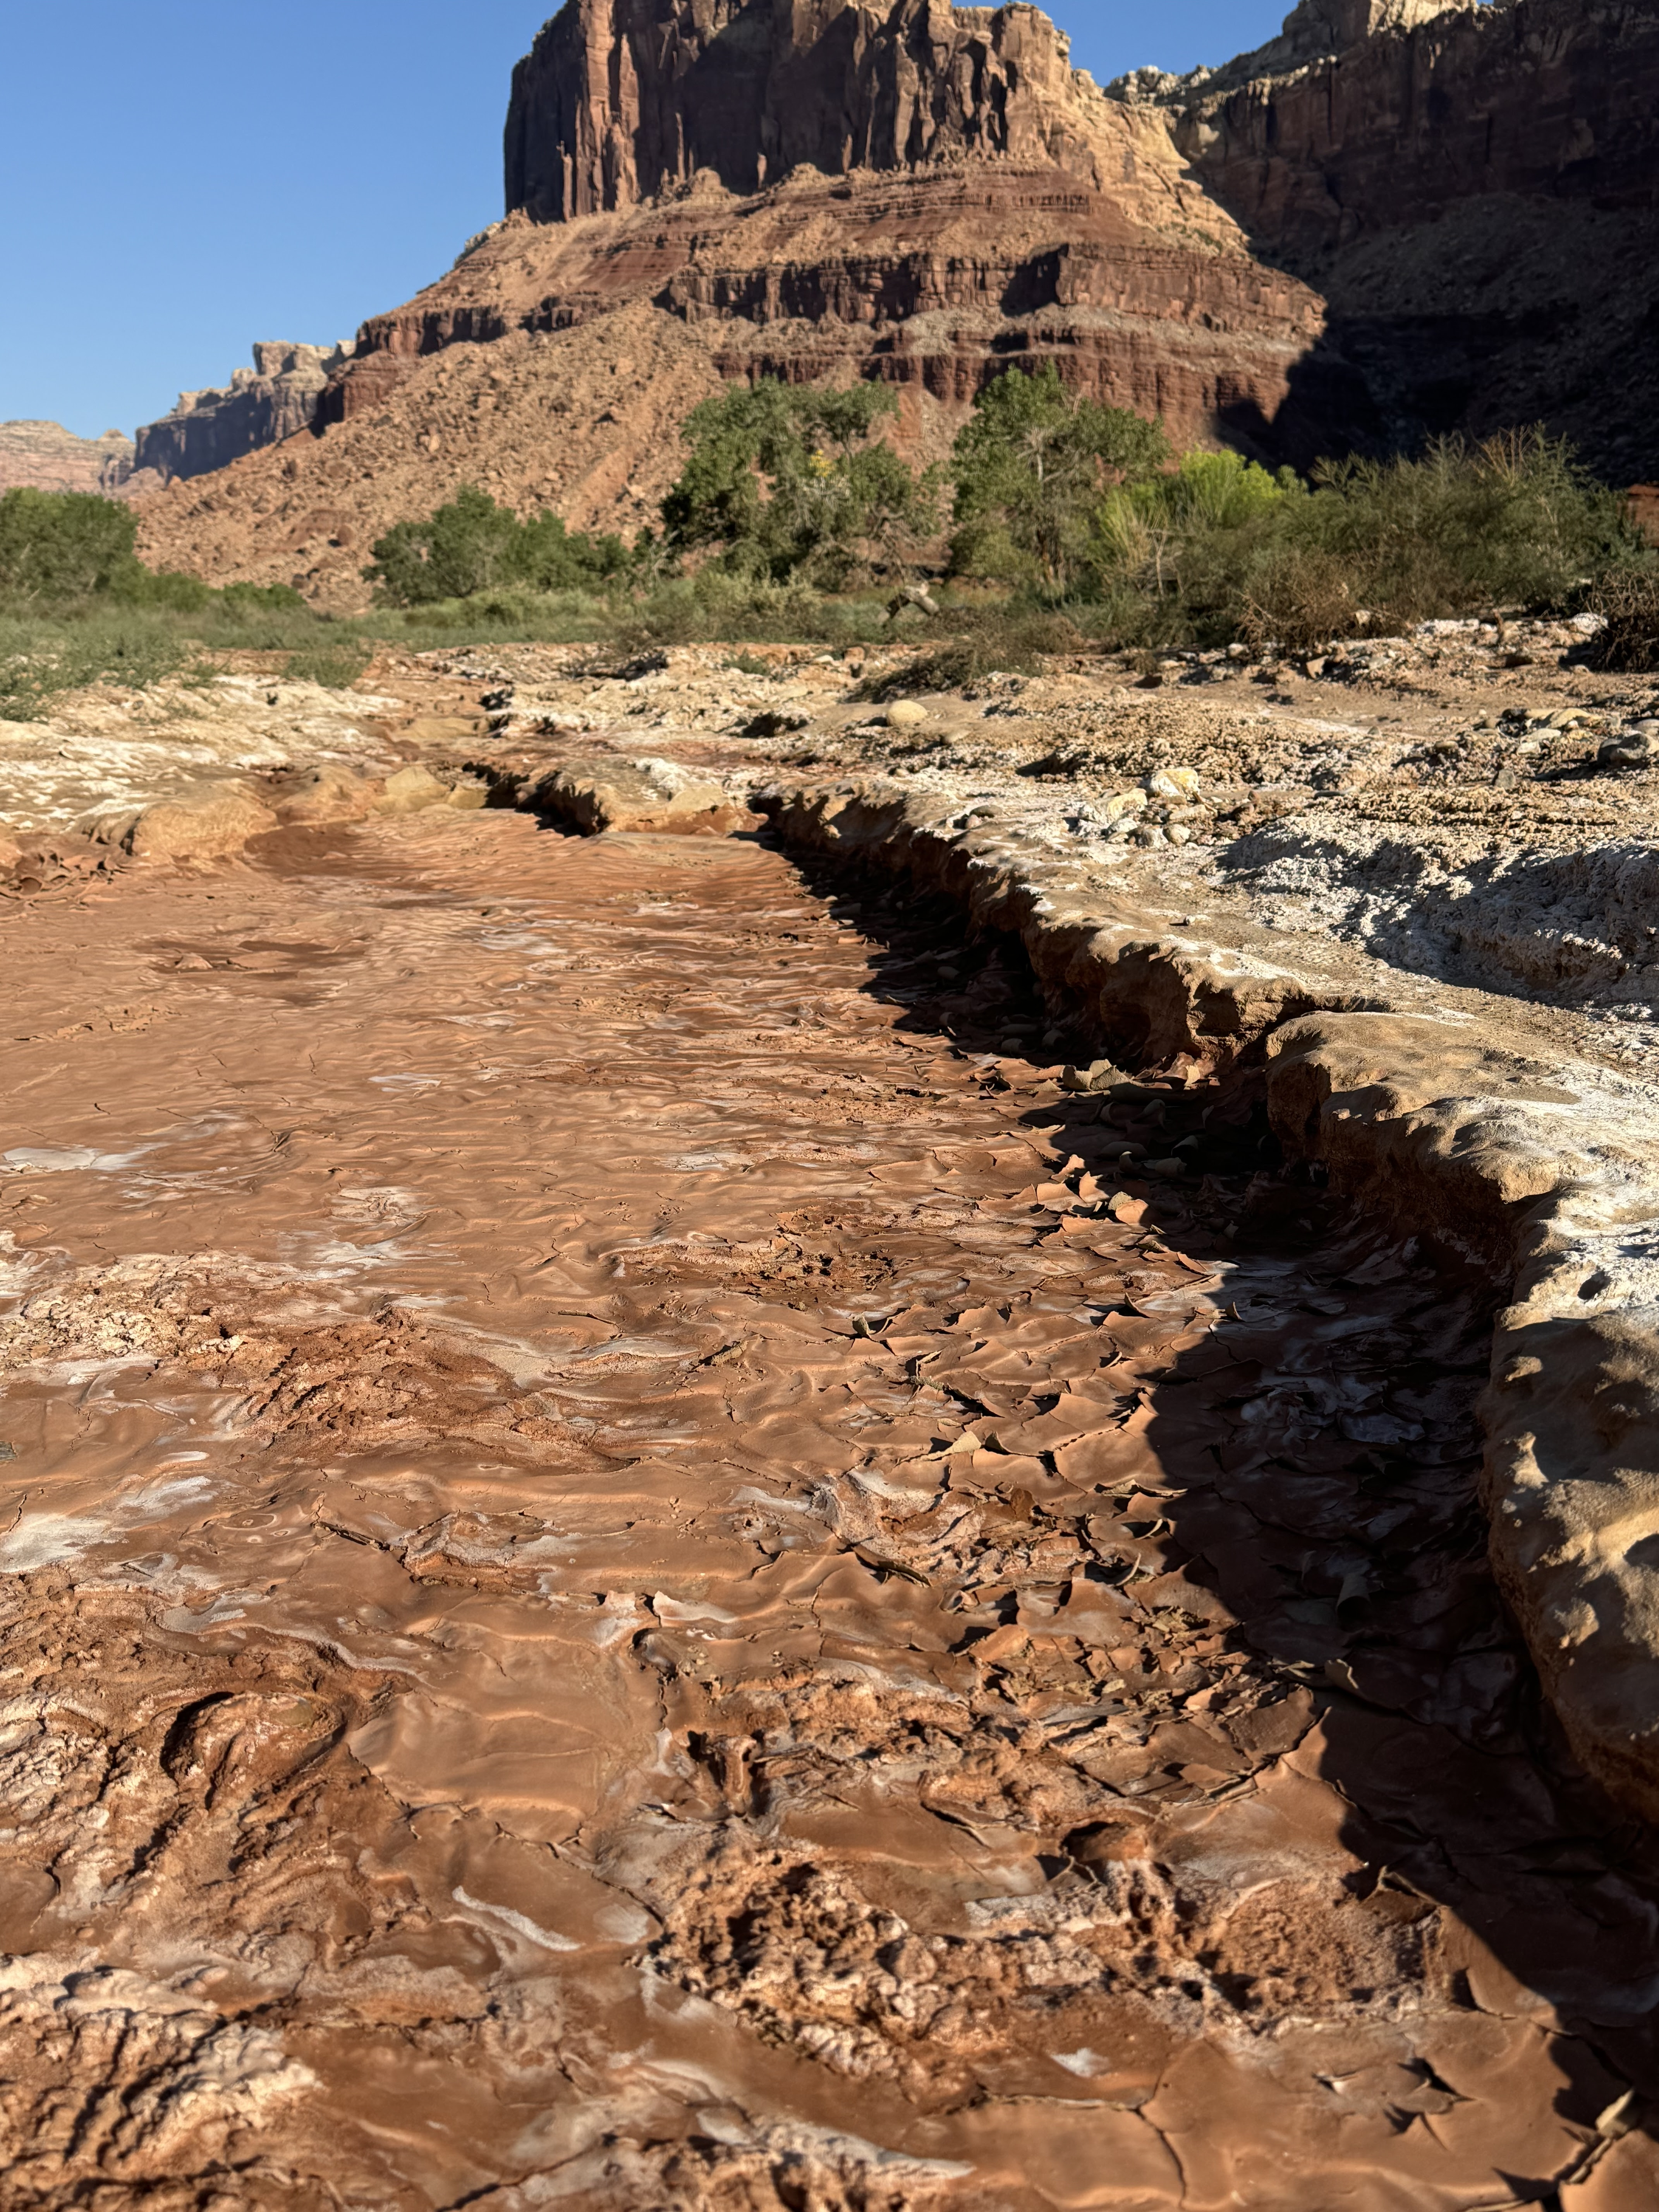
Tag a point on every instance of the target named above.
point(981, 642)
point(42, 656)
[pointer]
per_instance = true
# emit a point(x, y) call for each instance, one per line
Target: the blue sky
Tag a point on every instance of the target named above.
point(182, 177)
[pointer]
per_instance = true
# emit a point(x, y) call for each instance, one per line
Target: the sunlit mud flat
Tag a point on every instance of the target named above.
point(639, 1572)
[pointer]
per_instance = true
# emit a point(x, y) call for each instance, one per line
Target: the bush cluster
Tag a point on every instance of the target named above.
point(795, 516)
point(470, 546)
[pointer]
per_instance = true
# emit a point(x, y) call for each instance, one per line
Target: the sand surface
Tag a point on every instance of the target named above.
point(632, 1577)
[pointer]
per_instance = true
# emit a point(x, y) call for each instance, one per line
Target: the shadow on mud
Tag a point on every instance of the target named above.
point(1320, 1448)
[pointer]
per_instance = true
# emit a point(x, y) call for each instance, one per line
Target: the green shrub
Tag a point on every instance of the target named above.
point(1029, 469)
point(136, 586)
point(57, 546)
point(788, 482)
point(470, 546)
point(1218, 548)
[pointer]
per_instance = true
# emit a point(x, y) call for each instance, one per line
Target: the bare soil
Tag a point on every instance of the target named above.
point(638, 1573)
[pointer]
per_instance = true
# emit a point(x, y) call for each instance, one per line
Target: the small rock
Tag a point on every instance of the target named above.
point(1173, 783)
point(1623, 753)
point(410, 790)
point(202, 824)
point(906, 714)
point(325, 794)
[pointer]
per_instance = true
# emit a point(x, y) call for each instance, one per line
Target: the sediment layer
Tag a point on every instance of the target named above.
point(654, 1588)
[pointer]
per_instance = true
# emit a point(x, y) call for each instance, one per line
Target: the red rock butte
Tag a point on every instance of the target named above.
point(1393, 220)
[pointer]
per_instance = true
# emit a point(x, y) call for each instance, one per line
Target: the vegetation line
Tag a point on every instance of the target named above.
point(1058, 524)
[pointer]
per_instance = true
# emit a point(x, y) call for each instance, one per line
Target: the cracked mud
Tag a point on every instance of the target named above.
point(634, 1576)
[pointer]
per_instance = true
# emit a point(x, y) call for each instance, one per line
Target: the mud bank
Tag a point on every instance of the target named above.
point(631, 1578)
point(1545, 1177)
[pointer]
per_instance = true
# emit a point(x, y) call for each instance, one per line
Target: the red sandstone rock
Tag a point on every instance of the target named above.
point(1393, 221)
point(260, 406)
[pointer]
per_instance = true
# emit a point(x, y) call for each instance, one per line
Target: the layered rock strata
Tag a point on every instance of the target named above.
point(1473, 191)
point(620, 101)
point(1393, 221)
point(503, 372)
point(37, 456)
point(260, 406)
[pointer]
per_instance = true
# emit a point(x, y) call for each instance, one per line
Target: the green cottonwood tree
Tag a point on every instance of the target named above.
point(471, 544)
point(785, 480)
point(1031, 467)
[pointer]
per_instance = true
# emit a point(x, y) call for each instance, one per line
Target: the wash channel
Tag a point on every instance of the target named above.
point(641, 1570)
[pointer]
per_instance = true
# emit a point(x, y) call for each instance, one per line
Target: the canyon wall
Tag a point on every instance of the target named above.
point(1536, 100)
point(1475, 197)
point(260, 406)
point(1395, 219)
point(620, 99)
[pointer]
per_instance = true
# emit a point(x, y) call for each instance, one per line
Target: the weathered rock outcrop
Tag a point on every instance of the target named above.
point(260, 406)
point(1475, 193)
point(620, 99)
point(45, 457)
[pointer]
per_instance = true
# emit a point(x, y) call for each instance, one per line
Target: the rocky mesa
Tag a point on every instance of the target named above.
point(37, 456)
point(922, 194)
point(1394, 220)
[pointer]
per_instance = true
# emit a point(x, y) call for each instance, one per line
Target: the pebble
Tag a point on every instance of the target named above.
point(906, 714)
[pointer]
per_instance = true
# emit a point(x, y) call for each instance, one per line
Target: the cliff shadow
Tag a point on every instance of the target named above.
point(1303, 1508)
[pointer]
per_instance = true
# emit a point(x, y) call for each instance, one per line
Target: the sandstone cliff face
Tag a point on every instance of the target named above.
point(45, 457)
point(977, 205)
point(260, 406)
point(1476, 196)
point(1550, 100)
point(619, 99)
point(1396, 219)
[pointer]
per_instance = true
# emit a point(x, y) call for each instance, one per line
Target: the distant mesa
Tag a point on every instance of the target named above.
point(1398, 219)
point(207, 430)
point(45, 457)
point(260, 406)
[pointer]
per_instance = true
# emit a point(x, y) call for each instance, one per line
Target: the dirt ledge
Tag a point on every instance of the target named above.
point(1548, 1175)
